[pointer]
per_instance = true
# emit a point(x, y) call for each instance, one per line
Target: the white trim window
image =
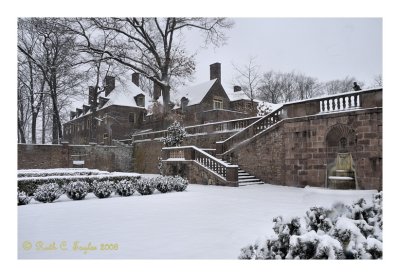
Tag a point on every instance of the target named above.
point(218, 104)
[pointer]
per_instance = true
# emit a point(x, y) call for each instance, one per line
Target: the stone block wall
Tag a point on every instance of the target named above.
point(109, 158)
point(295, 152)
point(146, 152)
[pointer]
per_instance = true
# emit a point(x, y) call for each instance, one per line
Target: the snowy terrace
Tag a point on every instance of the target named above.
point(203, 222)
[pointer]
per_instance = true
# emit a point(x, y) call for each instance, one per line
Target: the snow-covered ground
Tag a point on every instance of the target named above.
point(204, 222)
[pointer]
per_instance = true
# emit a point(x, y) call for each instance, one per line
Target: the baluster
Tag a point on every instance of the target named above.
point(341, 103)
point(352, 101)
point(334, 102)
point(356, 102)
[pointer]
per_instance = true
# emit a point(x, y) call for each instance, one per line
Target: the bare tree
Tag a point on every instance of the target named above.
point(152, 46)
point(340, 85)
point(248, 77)
point(378, 81)
point(53, 54)
point(307, 87)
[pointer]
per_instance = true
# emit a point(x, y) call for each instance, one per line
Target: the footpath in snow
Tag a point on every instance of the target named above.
point(203, 222)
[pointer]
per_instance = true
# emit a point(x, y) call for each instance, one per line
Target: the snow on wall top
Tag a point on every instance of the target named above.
point(195, 93)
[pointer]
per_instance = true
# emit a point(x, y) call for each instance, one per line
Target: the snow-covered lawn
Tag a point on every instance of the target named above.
point(203, 222)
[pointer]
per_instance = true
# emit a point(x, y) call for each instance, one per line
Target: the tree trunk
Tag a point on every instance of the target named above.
point(43, 122)
point(166, 98)
point(21, 133)
point(33, 127)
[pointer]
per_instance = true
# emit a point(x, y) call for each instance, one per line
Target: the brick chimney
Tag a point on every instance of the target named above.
point(109, 82)
point(156, 91)
point(92, 95)
point(72, 115)
point(237, 88)
point(215, 71)
point(78, 112)
point(135, 78)
point(184, 103)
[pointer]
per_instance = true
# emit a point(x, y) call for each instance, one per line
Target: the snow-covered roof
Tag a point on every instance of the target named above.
point(124, 93)
point(195, 94)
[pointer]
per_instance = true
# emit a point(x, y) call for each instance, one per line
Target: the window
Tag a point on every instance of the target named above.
point(105, 136)
point(132, 118)
point(218, 104)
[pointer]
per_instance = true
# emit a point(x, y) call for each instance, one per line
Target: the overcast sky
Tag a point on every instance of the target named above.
point(323, 48)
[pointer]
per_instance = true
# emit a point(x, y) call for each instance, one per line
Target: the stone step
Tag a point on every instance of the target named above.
point(251, 184)
point(249, 180)
point(246, 177)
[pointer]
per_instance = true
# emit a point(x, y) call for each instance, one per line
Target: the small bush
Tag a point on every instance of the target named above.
point(165, 184)
point(77, 190)
point(47, 193)
point(146, 186)
point(342, 232)
point(180, 184)
point(125, 187)
point(23, 198)
point(103, 189)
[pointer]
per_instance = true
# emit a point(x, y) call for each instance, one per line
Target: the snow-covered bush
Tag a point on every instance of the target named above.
point(175, 135)
point(146, 186)
point(23, 198)
point(180, 184)
point(48, 193)
point(125, 187)
point(103, 189)
point(76, 190)
point(165, 184)
point(342, 232)
point(30, 184)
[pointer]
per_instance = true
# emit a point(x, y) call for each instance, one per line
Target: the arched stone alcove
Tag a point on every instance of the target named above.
point(340, 138)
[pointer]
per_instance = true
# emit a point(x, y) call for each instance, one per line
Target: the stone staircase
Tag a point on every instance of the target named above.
point(244, 178)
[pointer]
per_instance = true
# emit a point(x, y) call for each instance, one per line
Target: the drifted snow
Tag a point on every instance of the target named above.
point(204, 222)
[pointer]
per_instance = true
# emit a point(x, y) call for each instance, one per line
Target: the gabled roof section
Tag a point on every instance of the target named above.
point(124, 94)
point(195, 94)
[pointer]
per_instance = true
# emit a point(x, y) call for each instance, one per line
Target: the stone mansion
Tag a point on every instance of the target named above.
point(123, 109)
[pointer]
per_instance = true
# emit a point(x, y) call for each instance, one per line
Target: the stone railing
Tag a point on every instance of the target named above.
point(250, 131)
point(192, 153)
point(335, 103)
point(230, 125)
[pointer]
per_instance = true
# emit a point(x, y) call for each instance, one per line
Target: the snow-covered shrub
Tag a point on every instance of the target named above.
point(48, 193)
point(30, 184)
point(76, 190)
point(165, 184)
point(146, 186)
point(125, 187)
point(102, 189)
point(180, 184)
point(342, 232)
point(175, 135)
point(23, 198)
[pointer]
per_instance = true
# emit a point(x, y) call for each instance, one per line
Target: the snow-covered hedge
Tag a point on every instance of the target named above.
point(103, 189)
point(76, 190)
point(23, 198)
point(146, 186)
point(30, 184)
point(48, 193)
point(342, 232)
point(58, 172)
point(165, 184)
point(125, 187)
point(179, 183)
